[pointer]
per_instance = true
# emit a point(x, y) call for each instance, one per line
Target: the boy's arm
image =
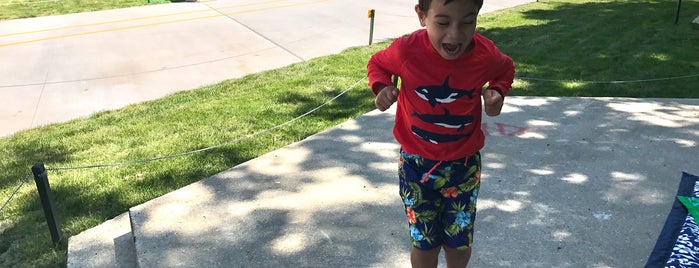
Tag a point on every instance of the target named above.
point(498, 87)
point(504, 75)
point(382, 66)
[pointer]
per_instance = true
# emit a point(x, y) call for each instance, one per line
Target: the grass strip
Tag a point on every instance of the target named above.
point(17, 9)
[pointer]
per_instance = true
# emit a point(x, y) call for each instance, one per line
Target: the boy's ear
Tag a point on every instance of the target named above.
point(421, 15)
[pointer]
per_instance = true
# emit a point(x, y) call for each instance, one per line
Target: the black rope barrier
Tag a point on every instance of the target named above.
point(608, 82)
point(15, 191)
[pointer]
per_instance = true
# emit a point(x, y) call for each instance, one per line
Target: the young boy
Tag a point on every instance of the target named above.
point(443, 70)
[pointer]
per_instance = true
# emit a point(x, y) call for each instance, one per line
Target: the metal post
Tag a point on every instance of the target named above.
point(677, 15)
point(372, 14)
point(42, 185)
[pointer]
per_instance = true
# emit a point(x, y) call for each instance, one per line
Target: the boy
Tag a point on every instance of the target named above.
point(443, 69)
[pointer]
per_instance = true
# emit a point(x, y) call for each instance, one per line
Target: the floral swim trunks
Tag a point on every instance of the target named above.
point(440, 199)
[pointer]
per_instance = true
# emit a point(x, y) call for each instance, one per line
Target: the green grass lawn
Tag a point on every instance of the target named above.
point(16, 9)
point(600, 41)
point(568, 41)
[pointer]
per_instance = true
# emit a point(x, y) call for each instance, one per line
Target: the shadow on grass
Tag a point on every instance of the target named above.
point(603, 41)
point(344, 106)
point(28, 153)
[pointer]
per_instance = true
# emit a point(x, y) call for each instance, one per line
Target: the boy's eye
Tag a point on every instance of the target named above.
point(442, 23)
point(469, 22)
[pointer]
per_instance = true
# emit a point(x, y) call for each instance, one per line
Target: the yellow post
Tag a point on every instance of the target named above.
point(371, 14)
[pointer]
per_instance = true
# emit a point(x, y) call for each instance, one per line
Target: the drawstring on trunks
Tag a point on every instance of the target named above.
point(427, 175)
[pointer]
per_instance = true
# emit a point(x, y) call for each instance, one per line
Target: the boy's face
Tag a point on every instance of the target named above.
point(450, 27)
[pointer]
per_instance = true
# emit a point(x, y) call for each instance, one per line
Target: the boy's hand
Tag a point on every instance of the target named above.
point(386, 97)
point(493, 102)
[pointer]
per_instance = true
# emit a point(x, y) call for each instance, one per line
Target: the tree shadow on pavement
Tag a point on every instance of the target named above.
point(567, 182)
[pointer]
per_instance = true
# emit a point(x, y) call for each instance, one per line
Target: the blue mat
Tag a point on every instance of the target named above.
point(678, 242)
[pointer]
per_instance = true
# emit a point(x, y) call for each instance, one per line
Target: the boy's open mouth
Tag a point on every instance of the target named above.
point(451, 49)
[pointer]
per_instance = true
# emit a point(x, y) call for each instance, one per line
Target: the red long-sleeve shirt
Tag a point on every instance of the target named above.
point(439, 105)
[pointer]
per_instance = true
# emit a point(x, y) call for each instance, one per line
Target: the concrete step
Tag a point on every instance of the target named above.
point(109, 244)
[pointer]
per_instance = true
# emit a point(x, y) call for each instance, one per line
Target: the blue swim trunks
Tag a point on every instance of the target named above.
point(440, 199)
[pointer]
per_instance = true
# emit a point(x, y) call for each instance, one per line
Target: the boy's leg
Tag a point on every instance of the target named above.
point(461, 214)
point(437, 210)
point(424, 258)
point(457, 258)
point(423, 206)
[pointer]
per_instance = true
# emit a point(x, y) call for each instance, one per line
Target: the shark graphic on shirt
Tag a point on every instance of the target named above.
point(446, 120)
point(442, 93)
point(435, 138)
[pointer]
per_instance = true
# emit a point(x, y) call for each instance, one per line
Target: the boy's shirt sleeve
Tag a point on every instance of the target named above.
point(504, 73)
point(383, 65)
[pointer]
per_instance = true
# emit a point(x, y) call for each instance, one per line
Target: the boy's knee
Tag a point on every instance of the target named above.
point(456, 257)
point(458, 253)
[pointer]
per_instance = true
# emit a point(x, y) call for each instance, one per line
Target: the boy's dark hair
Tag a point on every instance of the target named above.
point(425, 4)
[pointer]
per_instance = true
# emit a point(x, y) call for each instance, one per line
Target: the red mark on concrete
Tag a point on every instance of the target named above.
point(504, 130)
